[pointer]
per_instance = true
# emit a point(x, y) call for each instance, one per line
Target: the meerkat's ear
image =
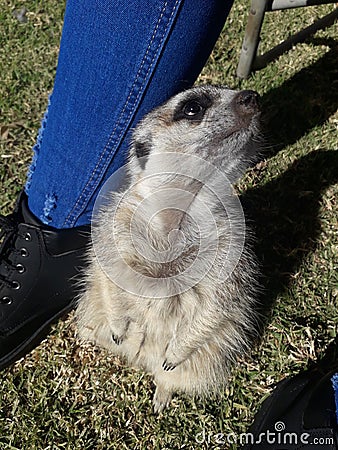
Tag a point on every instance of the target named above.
point(142, 148)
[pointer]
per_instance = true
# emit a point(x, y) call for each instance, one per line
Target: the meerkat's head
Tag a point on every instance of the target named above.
point(216, 124)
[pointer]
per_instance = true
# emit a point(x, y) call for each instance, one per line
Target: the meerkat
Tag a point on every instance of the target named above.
point(171, 283)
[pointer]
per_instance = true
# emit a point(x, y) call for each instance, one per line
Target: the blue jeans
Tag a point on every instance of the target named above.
point(118, 60)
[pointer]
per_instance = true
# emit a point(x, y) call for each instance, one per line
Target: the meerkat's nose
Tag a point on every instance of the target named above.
point(247, 101)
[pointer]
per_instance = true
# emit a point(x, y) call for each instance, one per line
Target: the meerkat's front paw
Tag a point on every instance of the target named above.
point(117, 339)
point(171, 360)
point(119, 331)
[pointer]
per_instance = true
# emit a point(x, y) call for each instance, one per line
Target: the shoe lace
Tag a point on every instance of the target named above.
point(7, 225)
point(8, 229)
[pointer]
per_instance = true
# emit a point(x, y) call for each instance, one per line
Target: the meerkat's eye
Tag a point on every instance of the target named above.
point(192, 108)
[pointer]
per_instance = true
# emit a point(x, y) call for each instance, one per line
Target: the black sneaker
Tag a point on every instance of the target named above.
point(39, 270)
point(300, 414)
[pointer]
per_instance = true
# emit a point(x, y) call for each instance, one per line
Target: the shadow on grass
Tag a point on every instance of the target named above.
point(305, 101)
point(285, 212)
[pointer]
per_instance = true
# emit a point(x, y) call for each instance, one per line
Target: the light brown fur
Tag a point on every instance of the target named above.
point(187, 332)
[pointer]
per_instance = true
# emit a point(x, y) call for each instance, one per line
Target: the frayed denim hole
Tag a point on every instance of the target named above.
point(50, 205)
point(37, 147)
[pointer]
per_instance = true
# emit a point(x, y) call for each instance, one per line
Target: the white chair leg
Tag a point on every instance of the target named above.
point(251, 38)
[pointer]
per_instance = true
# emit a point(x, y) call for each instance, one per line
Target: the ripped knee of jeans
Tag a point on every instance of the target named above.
point(36, 148)
point(49, 206)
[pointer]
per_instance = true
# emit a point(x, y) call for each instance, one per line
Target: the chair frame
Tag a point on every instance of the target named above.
point(249, 59)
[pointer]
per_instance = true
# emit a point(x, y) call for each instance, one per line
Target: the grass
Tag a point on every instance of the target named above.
point(64, 395)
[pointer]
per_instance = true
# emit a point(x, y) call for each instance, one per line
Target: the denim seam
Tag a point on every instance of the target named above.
point(104, 154)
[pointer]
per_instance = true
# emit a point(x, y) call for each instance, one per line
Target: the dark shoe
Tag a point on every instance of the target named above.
point(39, 266)
point(299, 414)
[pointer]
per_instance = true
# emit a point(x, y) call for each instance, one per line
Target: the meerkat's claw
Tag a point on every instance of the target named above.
point(117, 339)
point(167, 366)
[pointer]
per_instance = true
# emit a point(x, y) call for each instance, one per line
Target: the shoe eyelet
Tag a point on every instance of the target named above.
point(24, 252)
point(20, 268)
point(16, 285)
point(6, 300)
point(28, 237)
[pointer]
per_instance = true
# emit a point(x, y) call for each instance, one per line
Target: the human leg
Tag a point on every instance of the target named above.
point(117, 61)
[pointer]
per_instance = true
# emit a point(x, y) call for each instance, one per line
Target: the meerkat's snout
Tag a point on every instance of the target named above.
point(246, 109)
point(247, 102)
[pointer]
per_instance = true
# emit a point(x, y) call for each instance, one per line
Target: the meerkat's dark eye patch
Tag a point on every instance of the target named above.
point(193, 108)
